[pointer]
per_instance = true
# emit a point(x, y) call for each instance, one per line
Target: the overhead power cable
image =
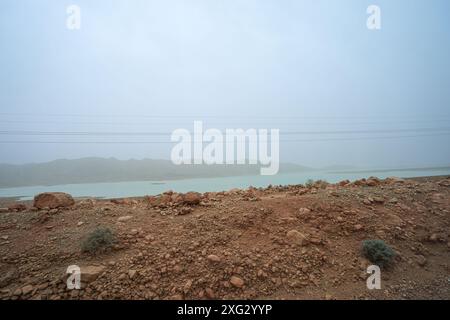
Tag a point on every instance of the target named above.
point(127, 133)
point(170, 142)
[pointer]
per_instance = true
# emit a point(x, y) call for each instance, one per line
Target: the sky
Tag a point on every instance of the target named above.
point(371, 98)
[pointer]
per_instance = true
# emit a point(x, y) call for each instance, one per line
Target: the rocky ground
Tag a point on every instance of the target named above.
point(293, 242)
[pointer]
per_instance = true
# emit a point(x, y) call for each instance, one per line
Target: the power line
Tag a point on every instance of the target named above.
point(240, 116)
point(99, 133)
point(158, 122)
point(170, 142)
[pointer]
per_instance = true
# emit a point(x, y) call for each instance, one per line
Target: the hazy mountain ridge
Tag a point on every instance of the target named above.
point(92, 170)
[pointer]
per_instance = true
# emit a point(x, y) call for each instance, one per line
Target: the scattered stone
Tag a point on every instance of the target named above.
point(124, 218)
point(27, 289)
point(53, 211)
point(393, 180)
point(185, 211)
point(213, 258)
point(421, 260)
point(278, 245)
point(7, 277)
point(132, 273)
point(378, 200)
point(237, 282)
point(296, 237)
point(210, 293)
point(17, 207)
point(393, 201)
point(18, 292)
point(304, 211)
point(187, 286)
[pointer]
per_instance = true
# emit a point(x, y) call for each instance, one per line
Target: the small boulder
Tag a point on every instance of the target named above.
point(343, 183)
point(373, 182)
point(152, 200)
point(89, 273)
point(53, 200)
point(164, 200)
point(296, 237)
point(176, 198)
point(192, 198)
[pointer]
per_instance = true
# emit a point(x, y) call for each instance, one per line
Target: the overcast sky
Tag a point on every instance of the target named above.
point(141, 66)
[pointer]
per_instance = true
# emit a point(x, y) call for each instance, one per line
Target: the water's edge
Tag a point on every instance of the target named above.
point(142, 188)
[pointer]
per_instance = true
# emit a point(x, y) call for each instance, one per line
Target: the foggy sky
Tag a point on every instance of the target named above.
point(146, 66)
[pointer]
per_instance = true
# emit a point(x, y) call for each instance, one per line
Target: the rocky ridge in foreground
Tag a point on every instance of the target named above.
point(281, 242)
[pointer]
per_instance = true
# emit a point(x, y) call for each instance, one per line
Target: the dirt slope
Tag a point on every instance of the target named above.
point(276, 243)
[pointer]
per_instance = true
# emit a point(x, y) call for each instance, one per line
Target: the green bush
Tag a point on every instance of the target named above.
point(309, 183)
point(378, 252)
point(321, 184)
point(99, 239)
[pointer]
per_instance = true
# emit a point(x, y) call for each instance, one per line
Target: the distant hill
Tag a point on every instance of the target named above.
point(92, 170)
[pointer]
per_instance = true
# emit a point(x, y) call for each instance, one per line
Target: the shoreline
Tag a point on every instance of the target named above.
point(5, 201)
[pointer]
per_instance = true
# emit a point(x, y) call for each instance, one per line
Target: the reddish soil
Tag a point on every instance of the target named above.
point(235, 244)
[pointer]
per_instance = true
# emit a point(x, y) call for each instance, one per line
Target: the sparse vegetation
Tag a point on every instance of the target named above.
point(319, 184)
point(309, 183)
point(100, 239)
point(378, 252)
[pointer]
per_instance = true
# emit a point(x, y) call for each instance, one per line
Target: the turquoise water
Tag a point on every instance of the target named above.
point(142, 188)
